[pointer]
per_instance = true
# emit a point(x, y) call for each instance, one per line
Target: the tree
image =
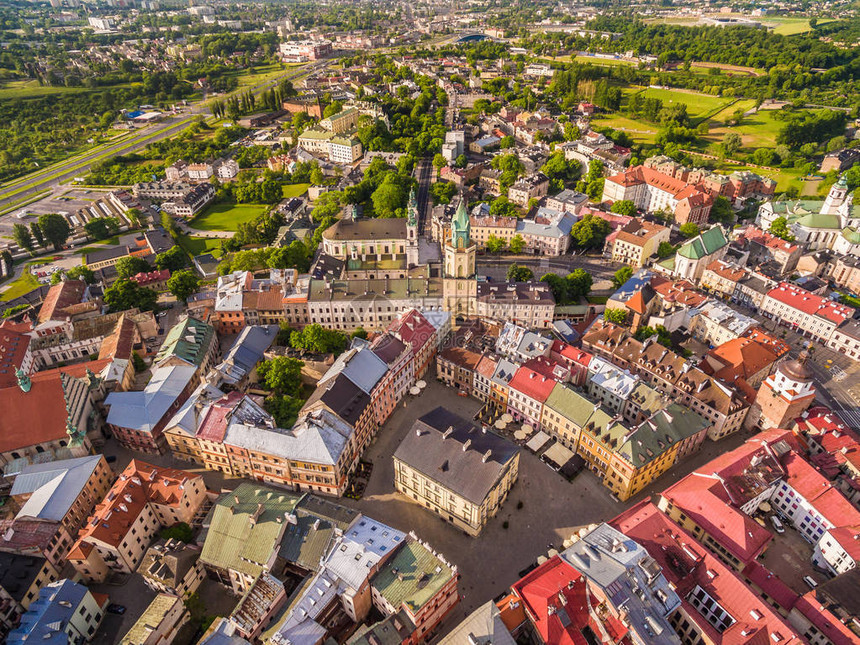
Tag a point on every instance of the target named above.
point(517, 273)
point(55, 228)
point(503, 207)
point(689, 230)
point(317, 178)
point(388, 198)
point(617, 316)
point(100, 228)
point(595, 170)
point(442, 192)
point(621, 276)
point(439, 162)
point(81, 272)
point(281, 375)
point(22, 236)
point(125, 294)
point(172, 259)
point(517, 244)
point(461, 161)
point(779, 227)
point(731, 143)
point(37, 234)
point(558, 286)
point(180, 531)
point(571, 131)
point(507, 142)
point(665, 249)
point(335, 107)
point(131, 265)
point(316, 338)
point(183, 283)
point(495, 244)
point(590, 232)
point(722, 211)
point(625, 207)
point(578, 283)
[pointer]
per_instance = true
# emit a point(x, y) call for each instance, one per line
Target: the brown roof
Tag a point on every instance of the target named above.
point(344, 230)
point(61, 296)
point(462, 357)
point(272, 300)
point(120, 343)
point(638, 232)
point(13, 349)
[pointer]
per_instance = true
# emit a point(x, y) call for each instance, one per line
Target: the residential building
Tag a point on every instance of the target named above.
point(53, 501)
point(525, 303)
point(652, 190)
point(159, 623)
point(845, 339)
point(484, 626)
point(431, 461)
point(190, 342)
point(138, 419)
point(344, 121)
point(298, 51)
point(412, 328)
point(455, 366)
point(527, 392)
point(373, 240)
point(568, 201)
point(65, 612)
point(258, 606)
point(637, 242)
point(717, 323)
point(716, 605)
point(532, 187)
point(243, 533)
point(15, 354)
point(21, 579)
point(152, 280)
point(172, 567)
point(811, 315)
point(143, 500)
point(417, 582)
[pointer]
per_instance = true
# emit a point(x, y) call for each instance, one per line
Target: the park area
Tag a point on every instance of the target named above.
point(295, 190)
point(226, 216)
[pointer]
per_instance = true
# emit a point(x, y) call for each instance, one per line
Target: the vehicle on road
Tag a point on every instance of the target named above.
point(113, 608)
point(777, 525)
point(810, 581)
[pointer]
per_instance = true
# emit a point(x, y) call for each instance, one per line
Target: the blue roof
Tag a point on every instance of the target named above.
point(133, 115)
point(634, 285)
point(46, 619)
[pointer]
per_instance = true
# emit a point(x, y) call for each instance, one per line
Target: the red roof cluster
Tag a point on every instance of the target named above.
point(532, 383)
point(413, 328)
point(810, 303)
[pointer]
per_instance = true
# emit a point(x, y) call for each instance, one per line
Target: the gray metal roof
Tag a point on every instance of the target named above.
point(483, 626)
point(629, 576)
point(306, 542)
point(246, 352)
point(53, 487)
point(360, 365)
point(456, 461)
point(142, 411)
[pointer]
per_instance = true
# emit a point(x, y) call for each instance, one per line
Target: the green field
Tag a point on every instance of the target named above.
point(32, 89)
point(758, 130)
point(295, 190)
point(200, 245)
point(792, 26)
point(24, 284)
point(698, 105)
point(226, 217)
point(639, 131)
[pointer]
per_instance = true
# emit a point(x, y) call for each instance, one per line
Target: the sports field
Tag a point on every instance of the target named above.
point(226, 216)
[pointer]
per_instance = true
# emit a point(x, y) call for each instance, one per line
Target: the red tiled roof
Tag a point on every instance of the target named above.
point(60, 296)
point(828, 624)
point(542, 587)
point(140, 483)
point(413, 328)
point(687, 565)
point(741, 358)
point(213, 427)
point(150, 277)
point(770, 583)
point(810, 303)
point(13, 349)
point(532, 384)
point(486, 367)
point(774, 344)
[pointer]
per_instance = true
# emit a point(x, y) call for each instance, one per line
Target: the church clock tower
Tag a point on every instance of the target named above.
point(460, 286)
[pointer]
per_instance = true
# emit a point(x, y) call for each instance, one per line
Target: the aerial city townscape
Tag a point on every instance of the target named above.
point(369, 322)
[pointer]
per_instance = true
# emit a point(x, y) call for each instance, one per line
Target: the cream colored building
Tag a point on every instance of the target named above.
point(452, 468)
point(159, 623)
point(638, 241)
point(344, 121)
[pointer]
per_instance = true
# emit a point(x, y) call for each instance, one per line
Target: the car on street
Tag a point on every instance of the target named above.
point(810, 581)
point(114, 608)
point(777, 525)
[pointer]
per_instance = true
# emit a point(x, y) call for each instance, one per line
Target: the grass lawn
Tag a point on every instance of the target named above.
point(698, 105)
point(758, 130)
point(32, 89)
point(226, 216)
point(639, 131)
point(792, 26)
point(200, 245)
point(24, 284)
point(294, 190)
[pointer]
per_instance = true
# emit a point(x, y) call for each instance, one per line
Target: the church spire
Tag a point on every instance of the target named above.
point(460, 229)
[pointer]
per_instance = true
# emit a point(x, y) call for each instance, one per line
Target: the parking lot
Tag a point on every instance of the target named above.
point(789, 556)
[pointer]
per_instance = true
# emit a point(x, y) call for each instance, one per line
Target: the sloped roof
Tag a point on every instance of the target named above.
point(189, 340)
point(143, 410)
point(704, 244)
point(53, 487)
point(235, 540)
point(412, 577)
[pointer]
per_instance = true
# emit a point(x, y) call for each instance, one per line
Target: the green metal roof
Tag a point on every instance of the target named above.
point(704, 244)
point(235, 540)
point(819, 220)
point(657, 434)
point(188, 340)
point(570, 404)
point(412, 577)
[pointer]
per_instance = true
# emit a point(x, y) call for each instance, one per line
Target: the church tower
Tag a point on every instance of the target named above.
point(460, 286)
point(838, 201)
point(412, 230)
point(784, 395)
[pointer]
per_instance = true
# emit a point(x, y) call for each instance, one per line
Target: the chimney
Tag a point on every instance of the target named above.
point(486, 456)
point(467, 445)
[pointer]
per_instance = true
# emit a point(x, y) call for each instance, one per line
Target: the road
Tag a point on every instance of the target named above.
point(424, 174)
point(56, 174)
point(600, 269)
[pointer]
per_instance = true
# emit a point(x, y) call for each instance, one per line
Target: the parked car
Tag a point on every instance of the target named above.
point(113, 608)
point(809, 580)
point(777, 525)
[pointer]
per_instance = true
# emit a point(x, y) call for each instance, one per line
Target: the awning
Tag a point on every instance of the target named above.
point(537, 442)
point(558, 454)
point(764, 507)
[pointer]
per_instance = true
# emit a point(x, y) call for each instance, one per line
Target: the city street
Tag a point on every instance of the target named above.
point(600, 269)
